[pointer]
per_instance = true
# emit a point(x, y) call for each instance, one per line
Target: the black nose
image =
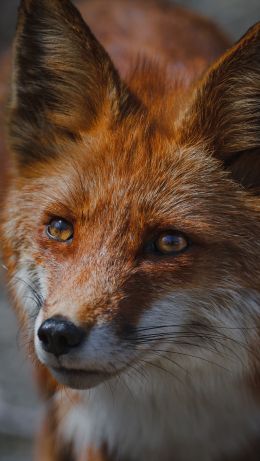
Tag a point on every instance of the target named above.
point(58, 335)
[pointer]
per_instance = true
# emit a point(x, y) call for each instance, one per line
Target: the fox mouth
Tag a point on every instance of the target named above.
point(78, 378)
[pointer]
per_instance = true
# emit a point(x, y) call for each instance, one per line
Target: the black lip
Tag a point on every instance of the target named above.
point(79, 372)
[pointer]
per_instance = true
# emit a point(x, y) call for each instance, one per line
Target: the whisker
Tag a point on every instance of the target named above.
point(158, 351)
point(181, 325)
point(194, 357)
point(34, 291)
point(155, 365)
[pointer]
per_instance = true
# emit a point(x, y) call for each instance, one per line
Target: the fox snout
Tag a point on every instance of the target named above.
point(59, 335)
point(77, 357)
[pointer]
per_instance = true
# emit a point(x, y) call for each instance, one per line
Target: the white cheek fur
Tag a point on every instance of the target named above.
point(38, 348)
point(30, 286)
point(21, 283)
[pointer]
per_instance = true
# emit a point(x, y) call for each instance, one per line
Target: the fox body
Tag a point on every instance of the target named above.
point(130, 230)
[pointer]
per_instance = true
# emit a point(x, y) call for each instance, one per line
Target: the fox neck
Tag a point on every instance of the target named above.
point(140, 421)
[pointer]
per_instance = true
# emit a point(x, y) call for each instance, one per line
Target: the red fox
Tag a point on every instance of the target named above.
point(130, 229)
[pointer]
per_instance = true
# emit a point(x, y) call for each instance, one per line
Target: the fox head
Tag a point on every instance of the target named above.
point(130, 229)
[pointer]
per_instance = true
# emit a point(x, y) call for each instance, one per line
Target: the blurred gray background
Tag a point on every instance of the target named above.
point(19, 404)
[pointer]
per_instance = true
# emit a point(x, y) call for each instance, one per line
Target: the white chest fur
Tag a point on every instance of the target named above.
point(198, 419)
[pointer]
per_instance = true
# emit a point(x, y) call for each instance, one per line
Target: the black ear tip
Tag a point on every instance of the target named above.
point(253, 33)
point(28, 5)
point(47, 8)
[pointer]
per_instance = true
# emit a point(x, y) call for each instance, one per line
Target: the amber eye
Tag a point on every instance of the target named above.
point(60, 230)
point(171, 243)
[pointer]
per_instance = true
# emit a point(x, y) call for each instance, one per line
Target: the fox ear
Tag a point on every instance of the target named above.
point(63, 79)
point(226, 110)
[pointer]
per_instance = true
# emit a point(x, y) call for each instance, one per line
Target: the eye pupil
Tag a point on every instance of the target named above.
point(169, 240)
point(171, 243)
point(60, 230)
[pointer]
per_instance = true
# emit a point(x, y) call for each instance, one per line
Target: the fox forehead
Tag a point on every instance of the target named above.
point(128, 175)
point(119, 195)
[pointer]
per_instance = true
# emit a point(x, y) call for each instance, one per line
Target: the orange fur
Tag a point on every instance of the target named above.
point(172, 146)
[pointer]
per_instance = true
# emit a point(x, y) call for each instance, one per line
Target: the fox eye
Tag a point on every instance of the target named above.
point(171, 243)
point(60, 230)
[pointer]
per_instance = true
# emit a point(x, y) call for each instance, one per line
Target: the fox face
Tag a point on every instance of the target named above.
point(131, 223)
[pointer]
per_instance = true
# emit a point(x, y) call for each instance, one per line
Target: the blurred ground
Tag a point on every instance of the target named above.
point(18, 400)
point(19, 414)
